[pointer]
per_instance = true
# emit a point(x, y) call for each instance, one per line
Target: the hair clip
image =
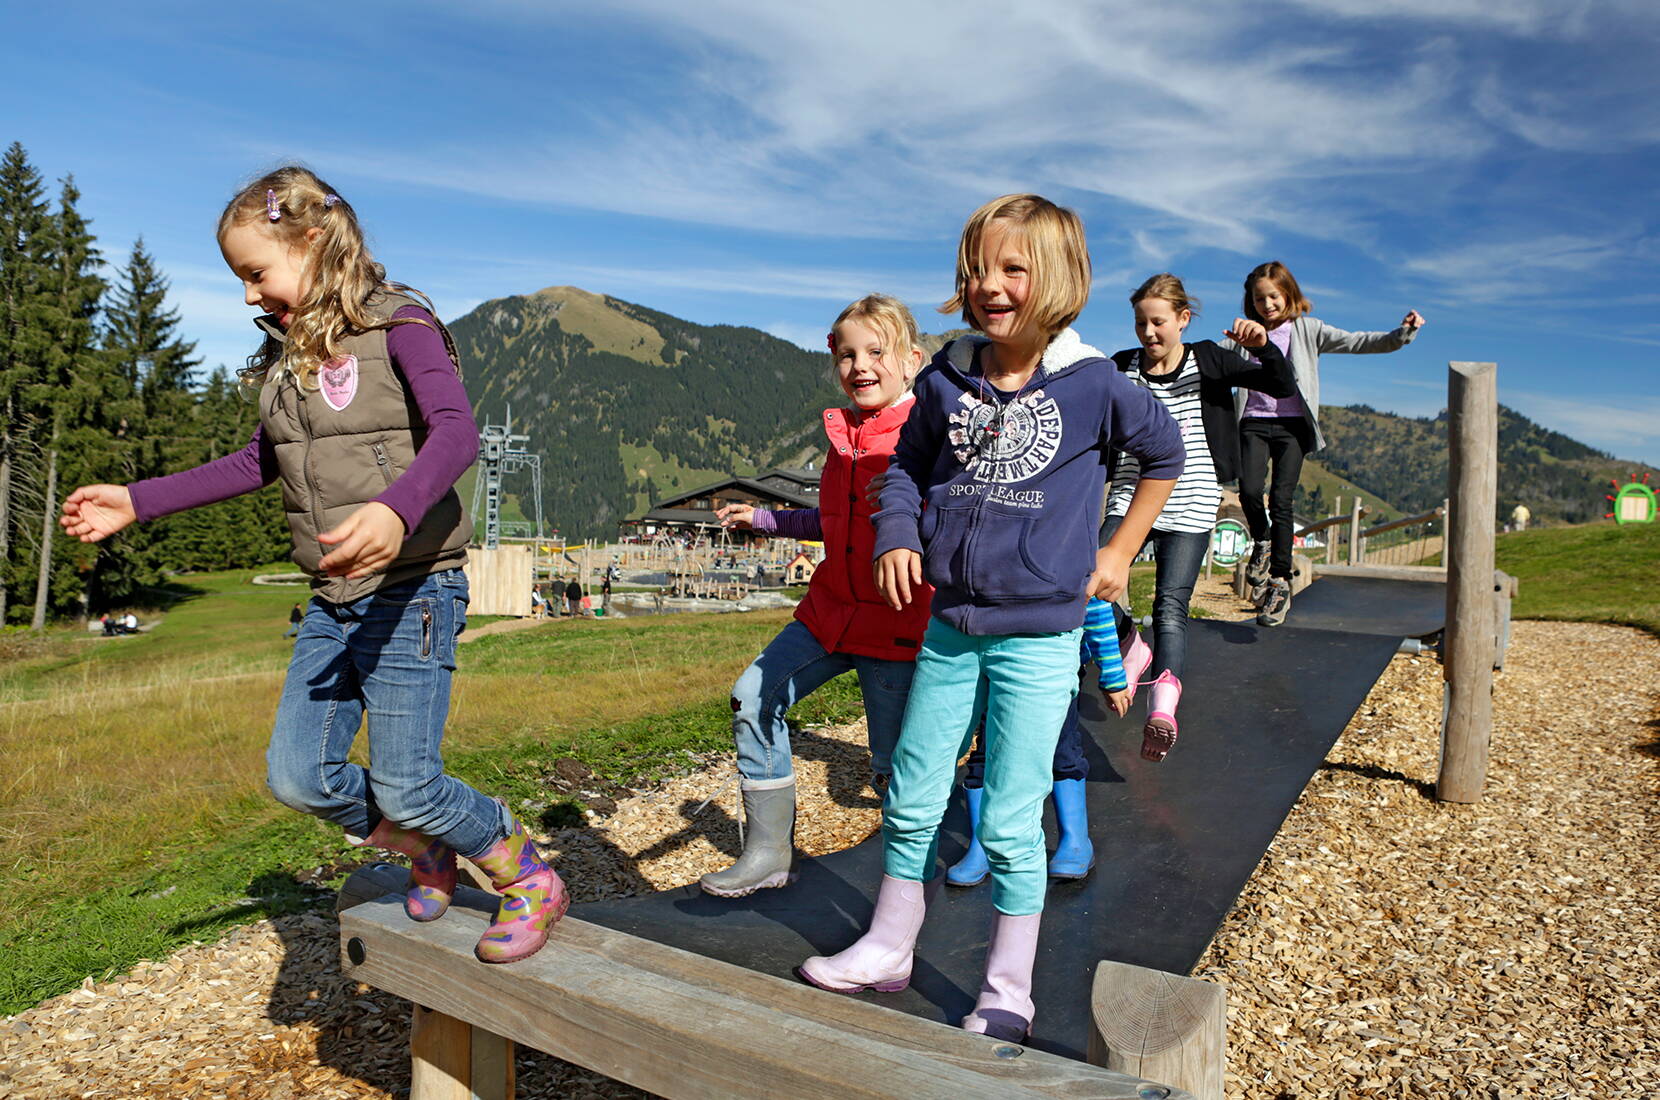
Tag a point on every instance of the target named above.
point(832, 339)
point(330, 200)
point(272, 210)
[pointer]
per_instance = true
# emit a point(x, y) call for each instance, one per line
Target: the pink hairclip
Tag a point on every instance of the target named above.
point(832, 339)
point(272, 210)
point(330, 200)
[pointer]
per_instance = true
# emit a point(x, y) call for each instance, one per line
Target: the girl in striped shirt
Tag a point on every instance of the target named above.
point(1195, 383)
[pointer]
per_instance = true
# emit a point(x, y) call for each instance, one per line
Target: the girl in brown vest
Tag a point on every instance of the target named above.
point(365, 424)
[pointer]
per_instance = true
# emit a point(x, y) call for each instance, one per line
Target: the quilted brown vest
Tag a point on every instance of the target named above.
point(338, 447)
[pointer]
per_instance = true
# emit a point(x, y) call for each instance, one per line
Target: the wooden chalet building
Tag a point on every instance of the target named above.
point(693, 512)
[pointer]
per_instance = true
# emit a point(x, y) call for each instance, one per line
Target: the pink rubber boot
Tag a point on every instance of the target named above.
point(432, 874)
point(1136, 659)
point(1159, 735)
point(533, 899)
point(881, 958)
point(1005, 1010)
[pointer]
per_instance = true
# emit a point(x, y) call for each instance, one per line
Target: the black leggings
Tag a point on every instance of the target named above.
point(1283, 440)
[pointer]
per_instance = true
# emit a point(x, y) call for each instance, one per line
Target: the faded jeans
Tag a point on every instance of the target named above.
point(792, 667)
point(388, 656)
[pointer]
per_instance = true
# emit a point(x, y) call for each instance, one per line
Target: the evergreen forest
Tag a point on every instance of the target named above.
point(97, 384)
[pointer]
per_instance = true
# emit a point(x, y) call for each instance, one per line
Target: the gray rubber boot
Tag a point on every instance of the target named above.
point(769, 847)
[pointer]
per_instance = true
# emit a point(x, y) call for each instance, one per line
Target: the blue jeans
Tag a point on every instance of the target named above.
point(1179, 555)
point(792, 667)
point(390, 656)
point(1022, 685)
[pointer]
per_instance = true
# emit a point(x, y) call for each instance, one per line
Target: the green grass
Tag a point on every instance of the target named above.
point(1594, 572)
point(133, 816)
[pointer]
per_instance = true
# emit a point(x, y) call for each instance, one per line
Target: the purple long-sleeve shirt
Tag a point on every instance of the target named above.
point(418, 353)
point(801, 524)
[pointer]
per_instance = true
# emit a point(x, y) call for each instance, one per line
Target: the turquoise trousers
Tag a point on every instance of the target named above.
point(1022, 684)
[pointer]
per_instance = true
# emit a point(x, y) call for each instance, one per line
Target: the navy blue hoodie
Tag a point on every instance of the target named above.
point(1008, 537)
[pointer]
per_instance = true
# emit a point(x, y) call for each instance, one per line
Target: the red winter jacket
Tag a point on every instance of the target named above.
point(843, 608)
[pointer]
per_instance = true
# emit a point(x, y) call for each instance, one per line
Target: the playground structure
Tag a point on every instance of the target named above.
point(710, 566)
point(689, 996)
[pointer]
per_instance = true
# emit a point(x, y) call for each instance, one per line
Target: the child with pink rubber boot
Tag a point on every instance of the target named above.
point(364, 423)
point(1007, 447)
point(1195, 382)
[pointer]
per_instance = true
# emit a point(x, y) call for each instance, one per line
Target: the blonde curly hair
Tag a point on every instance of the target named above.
point(341, 276)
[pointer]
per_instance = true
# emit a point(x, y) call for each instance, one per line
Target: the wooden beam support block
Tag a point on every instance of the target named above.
point(1163, 1027)
point(1384, 572)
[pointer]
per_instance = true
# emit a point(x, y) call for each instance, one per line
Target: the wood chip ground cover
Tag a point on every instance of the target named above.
point(1388, 945)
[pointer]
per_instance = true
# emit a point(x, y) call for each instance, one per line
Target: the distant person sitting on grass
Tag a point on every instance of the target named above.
point(365, 424)
point(295, 617)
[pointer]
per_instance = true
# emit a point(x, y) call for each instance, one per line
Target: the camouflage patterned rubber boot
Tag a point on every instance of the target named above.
point(432, 872)
point(533, 898)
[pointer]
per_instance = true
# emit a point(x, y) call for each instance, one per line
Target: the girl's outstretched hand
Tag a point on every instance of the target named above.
point(741, 516)
point(366, 542)
point(93, 513)
point(1413, 320)
point(897, 572)
point(1119, 701)
point(1247, 333)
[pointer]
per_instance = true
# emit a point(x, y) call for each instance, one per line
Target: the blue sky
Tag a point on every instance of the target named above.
point(1493, 165)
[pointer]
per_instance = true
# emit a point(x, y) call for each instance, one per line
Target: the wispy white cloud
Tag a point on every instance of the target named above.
point(797, 118)
point(1520, 269)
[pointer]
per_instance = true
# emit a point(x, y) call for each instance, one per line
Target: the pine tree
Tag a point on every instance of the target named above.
point(68, 395)
point(149, 408)
point(23, 221)
point(154, 365)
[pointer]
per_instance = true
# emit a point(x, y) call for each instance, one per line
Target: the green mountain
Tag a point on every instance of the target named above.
point(626, 404)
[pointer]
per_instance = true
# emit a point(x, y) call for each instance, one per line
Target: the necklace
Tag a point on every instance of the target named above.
point(991, 432)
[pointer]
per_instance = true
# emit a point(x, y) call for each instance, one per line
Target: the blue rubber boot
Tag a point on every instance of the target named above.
point(972, 869)
point(1074, 856)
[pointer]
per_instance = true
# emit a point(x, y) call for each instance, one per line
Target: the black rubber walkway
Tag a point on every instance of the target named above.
point(1175, 842)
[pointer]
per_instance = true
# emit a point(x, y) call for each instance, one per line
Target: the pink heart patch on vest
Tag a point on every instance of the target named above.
point(338, 379)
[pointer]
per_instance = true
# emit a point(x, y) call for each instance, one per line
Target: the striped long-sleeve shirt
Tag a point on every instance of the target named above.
point(1100, 645)
point(1196, 495)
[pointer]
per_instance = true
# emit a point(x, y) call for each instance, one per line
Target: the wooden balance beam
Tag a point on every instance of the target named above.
point(666, 1020)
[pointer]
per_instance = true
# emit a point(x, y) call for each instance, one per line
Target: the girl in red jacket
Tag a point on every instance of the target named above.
point(843, 624)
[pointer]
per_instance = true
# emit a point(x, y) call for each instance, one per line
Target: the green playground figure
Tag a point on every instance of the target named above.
point(1633, 502)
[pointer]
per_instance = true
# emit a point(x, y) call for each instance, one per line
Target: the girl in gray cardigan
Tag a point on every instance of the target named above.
point(1281, 430)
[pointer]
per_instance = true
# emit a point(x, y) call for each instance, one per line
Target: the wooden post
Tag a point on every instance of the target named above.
point(1504, 589)
point(1468, 650)
point(1331, 532)
point(1164, 1027)
point(452, 1060)
point(1357, 552)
